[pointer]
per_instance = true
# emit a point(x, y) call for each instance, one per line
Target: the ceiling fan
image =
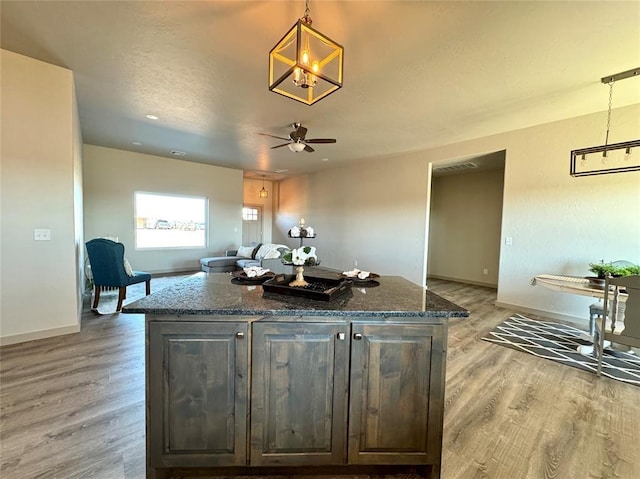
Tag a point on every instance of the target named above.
point(297, 141)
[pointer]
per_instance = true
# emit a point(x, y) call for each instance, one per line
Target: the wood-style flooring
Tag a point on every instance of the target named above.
point(72, 407)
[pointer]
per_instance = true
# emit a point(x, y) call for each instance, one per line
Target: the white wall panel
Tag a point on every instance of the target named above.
point(39, 287)
point(111, 179)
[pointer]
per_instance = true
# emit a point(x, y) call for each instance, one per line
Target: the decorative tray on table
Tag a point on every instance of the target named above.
point(240, 277)
point(322, 289)
point(370, 281)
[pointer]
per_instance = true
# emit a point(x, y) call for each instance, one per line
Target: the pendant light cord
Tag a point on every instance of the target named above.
point(307, 13)
point(606, 140)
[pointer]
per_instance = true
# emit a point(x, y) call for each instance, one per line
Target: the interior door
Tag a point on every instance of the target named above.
point(251, 224)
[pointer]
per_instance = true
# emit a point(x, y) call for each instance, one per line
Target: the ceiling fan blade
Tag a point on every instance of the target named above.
point(273, 136)
point(308, 149)
point(321, 140)
point(299, 133)
point(280, 146)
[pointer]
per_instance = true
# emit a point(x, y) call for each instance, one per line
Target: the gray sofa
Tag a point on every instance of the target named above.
point(267, 255)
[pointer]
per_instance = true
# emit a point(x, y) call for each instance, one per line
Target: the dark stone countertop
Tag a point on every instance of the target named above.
point(214, 294)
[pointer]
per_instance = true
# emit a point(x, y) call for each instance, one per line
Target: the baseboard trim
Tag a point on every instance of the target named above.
point(42, 334)
point(173, 272)
point(575, 320)
point(464, 281)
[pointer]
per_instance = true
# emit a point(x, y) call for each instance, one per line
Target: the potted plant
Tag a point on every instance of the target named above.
point(617, 268)
point(626, 270)
point(600, 270)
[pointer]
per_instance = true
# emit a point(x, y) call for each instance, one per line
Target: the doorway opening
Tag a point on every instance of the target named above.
point(465, 219)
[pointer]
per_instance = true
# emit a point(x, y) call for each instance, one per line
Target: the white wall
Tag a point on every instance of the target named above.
point(39, 288)
point(373, 213)
point(375, 210)
point(459, 204)
point(111, 178)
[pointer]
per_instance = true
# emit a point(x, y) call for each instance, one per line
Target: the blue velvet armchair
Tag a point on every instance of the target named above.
point(107, 266)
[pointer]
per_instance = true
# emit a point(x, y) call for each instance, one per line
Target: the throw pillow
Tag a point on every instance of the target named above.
point(264, 249)
point(255, 250)
point(245, 251)
point(274, 251)
point(128, 268)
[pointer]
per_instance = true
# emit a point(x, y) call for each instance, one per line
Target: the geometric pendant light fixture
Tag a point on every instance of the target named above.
point(263, 193)
point(305, 65)
point(610, 157)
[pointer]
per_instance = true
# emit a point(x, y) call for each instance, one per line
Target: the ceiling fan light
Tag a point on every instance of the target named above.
point(296, 146)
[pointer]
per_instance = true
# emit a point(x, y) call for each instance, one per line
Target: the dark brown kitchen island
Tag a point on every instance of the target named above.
point(244, 382)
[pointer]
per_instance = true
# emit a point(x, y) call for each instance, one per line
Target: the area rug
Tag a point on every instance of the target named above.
point(559, 343)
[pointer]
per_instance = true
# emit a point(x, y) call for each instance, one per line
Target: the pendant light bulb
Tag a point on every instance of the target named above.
point(263, 193)
point(305, 57)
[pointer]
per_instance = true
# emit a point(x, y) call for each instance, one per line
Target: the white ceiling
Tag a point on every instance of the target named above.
point(417, 74)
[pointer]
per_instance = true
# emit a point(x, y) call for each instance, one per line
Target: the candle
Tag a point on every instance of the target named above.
point(301, 221)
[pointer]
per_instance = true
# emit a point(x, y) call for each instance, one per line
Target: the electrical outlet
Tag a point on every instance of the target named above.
point(485, 271)
point(508, 241)
point(40, 234)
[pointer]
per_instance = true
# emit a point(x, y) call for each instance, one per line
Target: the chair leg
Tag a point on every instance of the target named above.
point(598, 342)
point(148, 287)
point(122, 294)
point(96, 297)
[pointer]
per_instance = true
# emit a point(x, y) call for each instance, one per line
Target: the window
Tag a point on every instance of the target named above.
point(250, 214)
point(170, 221)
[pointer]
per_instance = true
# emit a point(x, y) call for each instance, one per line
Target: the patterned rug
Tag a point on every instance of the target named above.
point(559, 343)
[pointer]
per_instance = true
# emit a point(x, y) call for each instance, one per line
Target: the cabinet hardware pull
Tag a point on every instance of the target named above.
point(341, 336)
point(240, 335)
point(357, 336)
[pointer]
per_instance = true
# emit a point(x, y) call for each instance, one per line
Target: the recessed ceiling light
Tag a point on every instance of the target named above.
point(280, 170)
point(152, 117)
point(325, 159)
point(177, 153)
point(137, 143)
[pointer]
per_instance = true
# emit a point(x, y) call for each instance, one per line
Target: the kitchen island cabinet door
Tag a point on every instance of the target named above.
point(396, 394)
point(298, 393)
point(197, 394)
